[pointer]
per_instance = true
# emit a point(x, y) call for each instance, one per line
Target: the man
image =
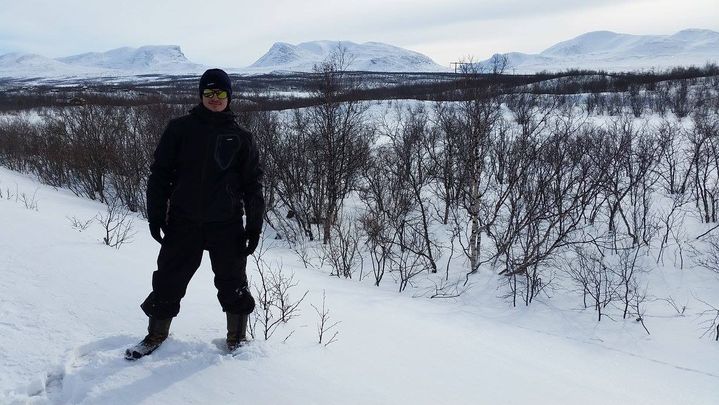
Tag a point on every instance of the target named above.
point(206, 170)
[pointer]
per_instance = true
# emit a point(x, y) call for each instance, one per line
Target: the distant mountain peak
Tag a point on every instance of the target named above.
point(127, 58)
point(167, 59)
point(368, 56)
point(31, 64)
point(693, 31)
point(607, 50)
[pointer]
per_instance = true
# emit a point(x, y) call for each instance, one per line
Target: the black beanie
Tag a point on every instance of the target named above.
point(216, 79)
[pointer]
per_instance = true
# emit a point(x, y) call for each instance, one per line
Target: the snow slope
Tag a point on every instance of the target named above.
point(369, 56)
point(620, 52)
point(69, 306)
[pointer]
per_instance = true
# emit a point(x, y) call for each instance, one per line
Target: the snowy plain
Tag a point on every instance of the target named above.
point(69, 306)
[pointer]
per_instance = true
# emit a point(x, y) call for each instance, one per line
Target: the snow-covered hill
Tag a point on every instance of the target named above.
point(369, 56)
point(117, 62)
point(69, 307)
point(32, 65)
point(621, 52)
point(166, 59)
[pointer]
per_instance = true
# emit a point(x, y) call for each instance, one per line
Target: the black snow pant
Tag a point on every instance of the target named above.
point(180, 256)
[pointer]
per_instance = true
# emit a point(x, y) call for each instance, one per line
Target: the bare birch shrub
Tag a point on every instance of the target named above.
point(52, 163)
point(708, 256)
point(300, 202)
point(342, 251)
point(393, 223)
point(275, 304)
point(413, 147)
point(16, 149)
point(710, 320)
point(325, 325)
point(387, 206)
point(627, 271)
point(705, 165)
point(117, 223)
point(29, 201)
point(377, 246)
point(478, 117)
point(79, 224)
point(446, 158)
point(92, 133)
point(673, 165)
point(265, 125)
point(679, 100)
point(340, 133)
point(636, 100)
point(140, 132)
point(551, 181)
point(671, 219)
point(592, 274)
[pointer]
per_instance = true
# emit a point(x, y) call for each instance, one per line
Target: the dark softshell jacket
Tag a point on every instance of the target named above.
point(207, 167)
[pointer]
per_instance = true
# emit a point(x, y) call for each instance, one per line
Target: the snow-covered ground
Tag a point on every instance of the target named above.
point(70, 305)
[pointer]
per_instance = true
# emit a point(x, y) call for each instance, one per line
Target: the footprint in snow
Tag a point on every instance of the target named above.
point(98, 373)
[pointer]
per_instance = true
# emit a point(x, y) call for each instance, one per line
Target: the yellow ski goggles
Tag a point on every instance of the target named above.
point(209, 93)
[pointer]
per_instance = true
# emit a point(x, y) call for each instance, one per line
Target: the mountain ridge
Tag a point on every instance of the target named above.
point(367, 56)
point(607, 50)
point(118, 61)
point(148, 57)
point(598, 50)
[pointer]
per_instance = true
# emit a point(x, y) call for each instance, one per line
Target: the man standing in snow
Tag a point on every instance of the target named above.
point(206, 173)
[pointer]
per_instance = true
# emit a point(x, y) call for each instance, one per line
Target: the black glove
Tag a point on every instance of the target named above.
point(155, 228)
point(248, 243)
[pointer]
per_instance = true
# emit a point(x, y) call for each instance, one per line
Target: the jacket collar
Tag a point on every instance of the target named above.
point(216, 118)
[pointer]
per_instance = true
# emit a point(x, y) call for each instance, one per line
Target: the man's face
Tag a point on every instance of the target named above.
point(214, 99)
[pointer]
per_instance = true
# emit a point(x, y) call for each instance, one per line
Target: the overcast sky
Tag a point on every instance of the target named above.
point(228, 33)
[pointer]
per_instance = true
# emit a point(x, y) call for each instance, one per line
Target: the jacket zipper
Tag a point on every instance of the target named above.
point(203, 195)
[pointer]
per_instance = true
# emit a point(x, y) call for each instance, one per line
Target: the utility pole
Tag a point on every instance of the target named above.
point(457, 64)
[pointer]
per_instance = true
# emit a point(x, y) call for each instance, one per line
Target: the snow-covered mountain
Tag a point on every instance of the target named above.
point(30, 64)
point(594, 50)
point(158, 58)
point(620, 52)
point(126, 61)
point(369, 56)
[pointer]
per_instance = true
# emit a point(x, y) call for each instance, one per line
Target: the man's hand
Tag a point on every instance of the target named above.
point(248, 243)
point(155, 228)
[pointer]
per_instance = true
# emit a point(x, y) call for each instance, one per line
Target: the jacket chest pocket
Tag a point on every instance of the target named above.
point(225, 150)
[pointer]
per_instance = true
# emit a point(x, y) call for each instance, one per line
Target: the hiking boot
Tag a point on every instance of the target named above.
point(157, 332)
point(236, 330)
